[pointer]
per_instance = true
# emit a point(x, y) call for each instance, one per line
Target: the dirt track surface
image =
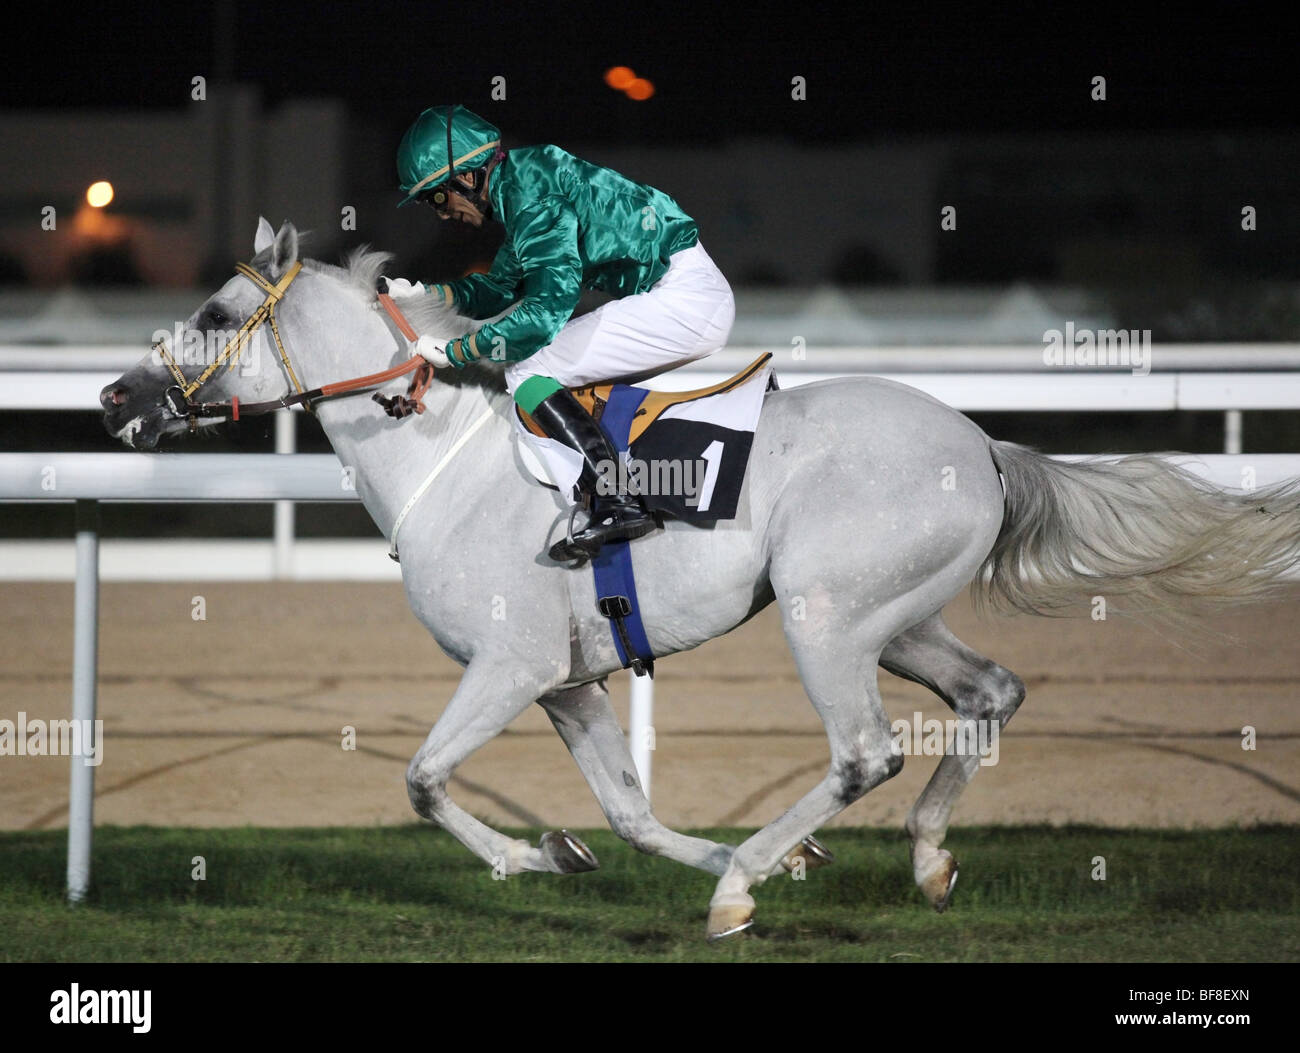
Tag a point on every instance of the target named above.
point(237, 719)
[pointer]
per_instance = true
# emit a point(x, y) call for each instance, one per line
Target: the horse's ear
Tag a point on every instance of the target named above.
point(284, 251)
point(264, 237)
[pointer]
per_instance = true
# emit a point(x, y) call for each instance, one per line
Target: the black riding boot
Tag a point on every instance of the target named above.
point(614, 517)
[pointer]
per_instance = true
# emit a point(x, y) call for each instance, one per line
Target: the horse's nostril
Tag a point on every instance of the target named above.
point(112, 396)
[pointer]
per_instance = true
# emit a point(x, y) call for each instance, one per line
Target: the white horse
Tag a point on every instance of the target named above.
point(867, 507)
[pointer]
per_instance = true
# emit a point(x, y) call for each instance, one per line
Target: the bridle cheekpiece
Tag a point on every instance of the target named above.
point(180, 396)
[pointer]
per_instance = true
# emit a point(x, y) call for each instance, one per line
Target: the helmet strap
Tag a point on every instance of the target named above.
point(479, 176)
point(451, 156)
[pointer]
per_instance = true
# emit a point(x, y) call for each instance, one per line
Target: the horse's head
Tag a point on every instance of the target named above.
point(226, 350)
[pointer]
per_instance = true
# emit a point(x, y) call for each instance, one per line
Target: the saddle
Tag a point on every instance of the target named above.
point(595, 397)
point(687, 451)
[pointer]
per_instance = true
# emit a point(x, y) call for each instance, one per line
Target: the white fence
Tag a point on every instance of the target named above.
point(1188, 377)
point(973, 379)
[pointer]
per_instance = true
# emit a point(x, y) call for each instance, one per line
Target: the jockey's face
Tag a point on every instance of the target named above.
point(459, 205)
point(459, 208)
point(454, 202)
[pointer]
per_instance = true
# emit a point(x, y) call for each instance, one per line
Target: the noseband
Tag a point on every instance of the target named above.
point(180, 395)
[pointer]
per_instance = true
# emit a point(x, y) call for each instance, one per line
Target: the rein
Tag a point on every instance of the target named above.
point(180, 395)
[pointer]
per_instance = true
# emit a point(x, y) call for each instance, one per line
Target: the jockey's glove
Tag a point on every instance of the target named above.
point(429, 350)
point(400, 288)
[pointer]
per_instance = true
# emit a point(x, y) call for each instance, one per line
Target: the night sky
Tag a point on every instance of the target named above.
point(871, 74)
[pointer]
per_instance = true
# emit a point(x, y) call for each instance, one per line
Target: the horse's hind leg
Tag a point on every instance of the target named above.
point(585, 720)
point(977, 689)
point(838, 670)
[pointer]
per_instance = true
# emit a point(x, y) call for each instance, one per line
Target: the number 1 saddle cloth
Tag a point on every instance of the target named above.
point(684, 452)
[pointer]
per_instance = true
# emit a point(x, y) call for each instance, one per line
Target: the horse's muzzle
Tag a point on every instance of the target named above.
point(113, 395)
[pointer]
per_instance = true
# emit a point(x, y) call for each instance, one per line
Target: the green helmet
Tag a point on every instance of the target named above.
point(443, 140)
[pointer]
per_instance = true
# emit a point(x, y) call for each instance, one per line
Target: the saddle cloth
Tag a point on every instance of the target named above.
point(686, 451)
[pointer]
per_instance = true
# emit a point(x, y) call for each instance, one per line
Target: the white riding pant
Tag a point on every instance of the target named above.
point(686, 314)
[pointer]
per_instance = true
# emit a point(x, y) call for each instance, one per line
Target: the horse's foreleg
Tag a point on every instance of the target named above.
point(977, 689)
point(586, 722)
point(490, 695)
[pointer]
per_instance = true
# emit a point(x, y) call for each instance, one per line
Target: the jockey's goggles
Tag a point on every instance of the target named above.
point(440, 196)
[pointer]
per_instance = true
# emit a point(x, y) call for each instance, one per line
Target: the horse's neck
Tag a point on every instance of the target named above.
point(387, 459)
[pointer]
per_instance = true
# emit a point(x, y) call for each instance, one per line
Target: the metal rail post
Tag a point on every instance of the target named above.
point(1232, 431)
point(282, 550)
point(81, 788)
point(640, 726)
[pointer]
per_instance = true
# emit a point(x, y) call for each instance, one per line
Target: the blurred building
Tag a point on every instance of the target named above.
point(1150, 222)
point(189, 185)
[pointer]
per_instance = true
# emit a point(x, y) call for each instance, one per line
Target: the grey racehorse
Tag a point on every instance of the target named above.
point(867, 507)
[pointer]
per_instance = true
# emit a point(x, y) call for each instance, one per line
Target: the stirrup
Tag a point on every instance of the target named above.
point(571, 547)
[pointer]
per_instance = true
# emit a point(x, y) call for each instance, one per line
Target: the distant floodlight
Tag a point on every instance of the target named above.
point(640, 89)
point(99, 194)
point(619, 77)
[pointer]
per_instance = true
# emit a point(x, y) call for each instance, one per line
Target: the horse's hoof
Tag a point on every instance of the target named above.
point(813, 853)
point(730, 915)
point(937, 885)
point(566, 853)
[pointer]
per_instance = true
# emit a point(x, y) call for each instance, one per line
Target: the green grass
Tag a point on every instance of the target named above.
point(412, 894)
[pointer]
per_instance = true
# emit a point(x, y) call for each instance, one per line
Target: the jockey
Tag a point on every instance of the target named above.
point(569, 225)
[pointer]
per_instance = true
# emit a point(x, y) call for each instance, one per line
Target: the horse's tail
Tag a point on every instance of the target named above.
point(1153, 535)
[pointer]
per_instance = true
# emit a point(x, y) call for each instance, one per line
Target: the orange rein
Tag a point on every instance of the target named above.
point(396, 406)
point(398, 318)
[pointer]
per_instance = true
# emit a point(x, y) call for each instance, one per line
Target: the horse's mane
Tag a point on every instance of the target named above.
point(360, 273)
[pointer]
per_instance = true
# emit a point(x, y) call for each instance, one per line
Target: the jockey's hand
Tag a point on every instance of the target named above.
point(400, 288)
point(429, 350)
point(460, 352)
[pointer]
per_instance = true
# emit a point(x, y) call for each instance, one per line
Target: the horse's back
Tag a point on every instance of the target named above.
point(870, 402)
point(858, 422)
point(874, 481)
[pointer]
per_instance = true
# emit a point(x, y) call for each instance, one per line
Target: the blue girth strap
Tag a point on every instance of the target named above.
point(615, 582)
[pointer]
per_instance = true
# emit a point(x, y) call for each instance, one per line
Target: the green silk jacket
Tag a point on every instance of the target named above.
point(570, 225)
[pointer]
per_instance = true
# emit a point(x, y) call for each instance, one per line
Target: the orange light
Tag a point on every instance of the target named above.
point(640, 89)
point(99, 194)
point(619, 77)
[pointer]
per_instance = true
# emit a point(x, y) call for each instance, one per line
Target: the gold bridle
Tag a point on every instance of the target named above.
point(184, 406)
point(236, 344)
